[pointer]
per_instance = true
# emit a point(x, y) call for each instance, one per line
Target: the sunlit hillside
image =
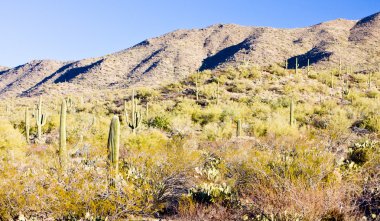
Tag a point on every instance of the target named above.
point(239, 143)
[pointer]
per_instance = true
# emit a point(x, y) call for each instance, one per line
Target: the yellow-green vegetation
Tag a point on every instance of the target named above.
point(246, 143)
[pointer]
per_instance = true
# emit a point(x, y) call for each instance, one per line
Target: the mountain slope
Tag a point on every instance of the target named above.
point(2, 68)
point(174, 55)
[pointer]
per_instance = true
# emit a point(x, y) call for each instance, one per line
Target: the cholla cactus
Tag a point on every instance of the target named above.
point(40, 119)
point(113, 149)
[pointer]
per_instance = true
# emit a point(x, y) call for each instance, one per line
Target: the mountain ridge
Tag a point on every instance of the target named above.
point(174, 55)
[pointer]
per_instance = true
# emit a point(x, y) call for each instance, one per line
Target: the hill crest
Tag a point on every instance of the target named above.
point(173, 56)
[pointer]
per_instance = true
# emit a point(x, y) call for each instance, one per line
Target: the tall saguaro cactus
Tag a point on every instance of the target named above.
point(238, 128)
point(40, 119)
point(62, 136)
point(113, 149)
point(216, 93)
point(136, 116)
point(197, 87)
point(340, 67)
point(308, 66)
point(297, 65)
point(291, 113)
point(147, 110)
point(27, 125)
point(369, 80)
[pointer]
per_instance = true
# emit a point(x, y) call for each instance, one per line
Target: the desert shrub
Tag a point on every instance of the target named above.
point(160, 122)
point(203, 118)
point(373, 94)
point(206, 116)
point(274, 180)
point(371, 122)
point(146, 94)
point(10, 137)
point(325, 78)
point(360, 152)
point(215, 131)
point(251, 73)
point(277, 70)
point(237, 87)
point(173, 87)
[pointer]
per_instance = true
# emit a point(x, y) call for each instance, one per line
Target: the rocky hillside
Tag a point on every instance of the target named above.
point(174, 55)
point(2, 68)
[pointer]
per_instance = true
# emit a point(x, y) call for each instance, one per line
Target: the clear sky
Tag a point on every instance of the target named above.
point(76, 29)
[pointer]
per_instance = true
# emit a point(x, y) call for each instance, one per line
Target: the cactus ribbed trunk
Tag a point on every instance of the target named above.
point(297, 65)
point(136, 116)
point(27, 125)
point(113, 149)
point(62, 136)
point(238, 128)
point(369, 80)
point(40, 119)
point(308, 66)
point(217, 93)
point(340, 67)
point(291, 114)
point(147, 110)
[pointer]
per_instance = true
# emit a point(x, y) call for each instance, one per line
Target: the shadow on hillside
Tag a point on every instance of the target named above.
point(72, 73)
point(145, 60)
point(222, 56)
point(315, 55)
point(62, 69)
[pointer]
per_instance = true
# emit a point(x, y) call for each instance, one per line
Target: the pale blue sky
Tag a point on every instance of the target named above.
point(76, 29)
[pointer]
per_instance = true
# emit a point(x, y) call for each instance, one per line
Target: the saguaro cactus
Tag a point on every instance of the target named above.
point(297, 65)
point(70, 105)
point(197, 87)
point(291, 113)
point(369, 80)
point(136, 116)
point(238, 128)
point(286, 64)
point(62, 136)
point(40, 119)
point(8, 108)
point(27, 124)
point(340, 67)
point(147, 110)
point(217, 92)
point(113, 149)
point(308, 66)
